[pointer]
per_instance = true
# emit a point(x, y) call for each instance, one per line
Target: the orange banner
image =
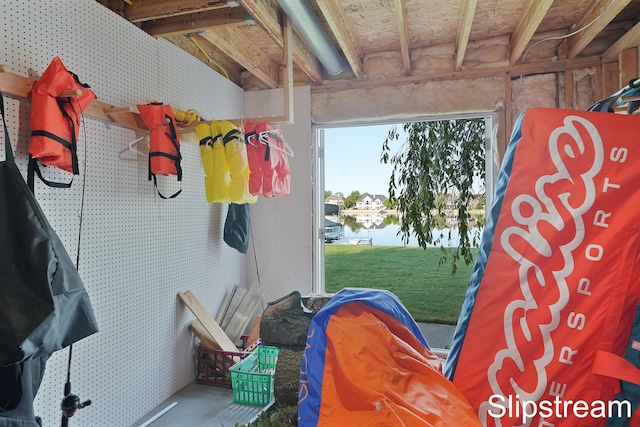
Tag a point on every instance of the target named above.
point(556, 278)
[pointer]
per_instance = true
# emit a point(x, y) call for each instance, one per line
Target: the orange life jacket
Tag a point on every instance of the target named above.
point(164, 151)
point(55, 121)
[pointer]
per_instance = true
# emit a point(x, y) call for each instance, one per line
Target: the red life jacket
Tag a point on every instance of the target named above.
point(268, 161)
point(164, 142)
point(55, 121)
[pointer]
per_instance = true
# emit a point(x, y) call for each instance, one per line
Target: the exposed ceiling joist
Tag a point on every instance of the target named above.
point(403, 29)
point(630, 39)
point(225, 65)
point(597, 18)
point(465, 30)
point(265, 15)
point(336, 20)
point(139, 11)
point(531, 18)
point(196, 22)
point(484, 35)
point(241, 51)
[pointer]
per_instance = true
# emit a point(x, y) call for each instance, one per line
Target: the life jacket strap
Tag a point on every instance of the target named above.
point(155, 184)
point(34, 167)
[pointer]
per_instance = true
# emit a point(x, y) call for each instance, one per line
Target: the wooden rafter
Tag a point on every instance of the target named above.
point(531, 18)
point(403, 29)
point(465, 30)
point(244, 53)
point(196, 22)
point(630, 39)
point(336, 20)
point(139, 11)
point(264, 14)
point(229, 66)
point(603, 12)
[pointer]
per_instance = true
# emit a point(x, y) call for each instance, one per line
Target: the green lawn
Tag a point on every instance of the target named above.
point(430, 293)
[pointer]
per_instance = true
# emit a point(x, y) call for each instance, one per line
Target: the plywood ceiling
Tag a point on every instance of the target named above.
point(243, 39)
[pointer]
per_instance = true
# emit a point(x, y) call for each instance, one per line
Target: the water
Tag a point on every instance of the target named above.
point(374, 227)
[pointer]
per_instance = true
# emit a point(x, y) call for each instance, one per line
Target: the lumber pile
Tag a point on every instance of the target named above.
point(225, 330)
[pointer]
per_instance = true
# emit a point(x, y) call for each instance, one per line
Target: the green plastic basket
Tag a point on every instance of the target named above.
point(252, 377)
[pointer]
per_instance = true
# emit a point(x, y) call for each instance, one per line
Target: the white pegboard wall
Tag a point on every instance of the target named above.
point(136, 250)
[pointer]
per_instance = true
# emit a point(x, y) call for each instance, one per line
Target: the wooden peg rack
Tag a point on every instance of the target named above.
point(19, 87)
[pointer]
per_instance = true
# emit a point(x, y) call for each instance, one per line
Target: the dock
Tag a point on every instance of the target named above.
point(363, 241)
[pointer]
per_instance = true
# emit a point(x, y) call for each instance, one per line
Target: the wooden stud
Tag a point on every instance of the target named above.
point(568, 90)
point(5, 69)
point(288, 70)
point(628, 66)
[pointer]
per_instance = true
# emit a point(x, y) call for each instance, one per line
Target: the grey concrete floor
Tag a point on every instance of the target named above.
point(201, 406)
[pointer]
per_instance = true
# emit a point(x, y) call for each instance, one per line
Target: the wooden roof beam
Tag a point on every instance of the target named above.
point(196, 22)
point(532, 16)
point(629, 39)
point(244, 53)
point(338, 23)
point(465, 30)
point(603, 12)
point(403, 29)
point(266, 16)
point(229, 66)
point(140, 11)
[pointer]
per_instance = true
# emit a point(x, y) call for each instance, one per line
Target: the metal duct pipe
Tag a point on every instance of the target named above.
point(300, 13)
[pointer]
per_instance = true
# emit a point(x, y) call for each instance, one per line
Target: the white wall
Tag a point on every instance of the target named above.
point(282, 226)
point(137, 251)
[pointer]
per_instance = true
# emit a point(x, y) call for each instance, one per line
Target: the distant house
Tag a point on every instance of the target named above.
point(335, 199)
point(371, 201)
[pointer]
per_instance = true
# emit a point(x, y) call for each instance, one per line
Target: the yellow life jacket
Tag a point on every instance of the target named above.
point(224, 160)
point(236, 153)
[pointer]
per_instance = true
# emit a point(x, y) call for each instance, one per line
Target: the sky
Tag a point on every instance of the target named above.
point(352, 159)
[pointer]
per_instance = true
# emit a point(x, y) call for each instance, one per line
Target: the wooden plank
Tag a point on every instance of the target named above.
point(147, 10)
point(568, 90)
point(266, 16)
point(16, 86)
point(403, 29)
point(514, 70)
point(287, 75)
point(244, 312)
point(628, 65)
point(196, 22)
point(340, 28)
point(630, 39)
point(601, 14)
point(254, 335)
point(205, 338)
point(225, 304)
point(465, 31)
point(208, 322)
point(246, 54)
point(610, 80)
point(531, 18)
point(235, 302)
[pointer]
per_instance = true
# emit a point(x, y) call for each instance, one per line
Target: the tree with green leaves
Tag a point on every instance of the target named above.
point(436, 165)
point(351, 199)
